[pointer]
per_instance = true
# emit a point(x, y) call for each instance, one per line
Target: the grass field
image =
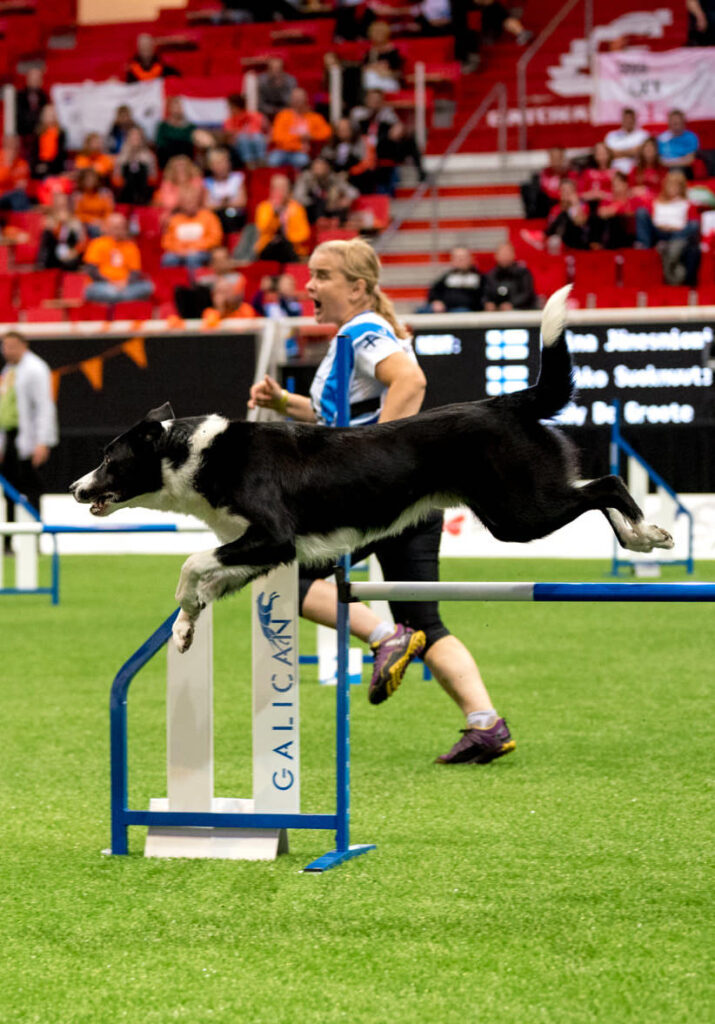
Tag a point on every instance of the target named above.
point(568, 882)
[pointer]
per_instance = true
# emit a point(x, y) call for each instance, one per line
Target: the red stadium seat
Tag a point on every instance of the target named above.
point(73, 286)
point(166, 279)
point(669, 295)
point(91, 311)
point(43, 315)
point(591, 268)
point(640, 268)
point(615, 297)
point(138, 310)
point(37, 286)
point(375, 210)
point(706, 295)
point(300, 272)
point(549, 272)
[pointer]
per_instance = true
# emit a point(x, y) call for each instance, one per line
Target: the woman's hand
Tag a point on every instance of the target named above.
point(266, 394)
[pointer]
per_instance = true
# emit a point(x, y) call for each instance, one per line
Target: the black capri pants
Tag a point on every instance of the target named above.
point(413, 556)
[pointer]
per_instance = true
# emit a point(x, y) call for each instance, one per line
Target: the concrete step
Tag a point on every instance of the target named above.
point(494, 207)
point(477, 239)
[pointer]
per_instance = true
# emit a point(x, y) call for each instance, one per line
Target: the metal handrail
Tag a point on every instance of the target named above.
point(525, 58)
point(497, 93)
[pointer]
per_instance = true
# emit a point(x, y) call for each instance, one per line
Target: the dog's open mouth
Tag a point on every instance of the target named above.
point(100, 505)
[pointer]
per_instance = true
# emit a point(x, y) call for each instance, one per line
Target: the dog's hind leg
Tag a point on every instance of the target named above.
point(209, 575)
point(526, 517)
point(625, 516)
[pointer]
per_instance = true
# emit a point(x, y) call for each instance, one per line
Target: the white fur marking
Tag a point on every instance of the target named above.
point(553, 317)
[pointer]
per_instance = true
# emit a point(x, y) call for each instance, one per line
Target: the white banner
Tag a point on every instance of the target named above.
point(652, 83)
point(92, 107)
point(276, 723)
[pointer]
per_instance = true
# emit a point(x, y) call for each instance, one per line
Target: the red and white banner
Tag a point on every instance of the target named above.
point(652, 83)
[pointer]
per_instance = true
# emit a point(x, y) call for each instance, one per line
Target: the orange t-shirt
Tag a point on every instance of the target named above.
point(291, 128)
point(211, 317)
point(93, 207)
point(114, 260)
point(102, 163)
point(192, 234)
point(14, 175)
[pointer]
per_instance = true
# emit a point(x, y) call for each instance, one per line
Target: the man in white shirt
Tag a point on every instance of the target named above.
point(626, 141)
point(28, 418)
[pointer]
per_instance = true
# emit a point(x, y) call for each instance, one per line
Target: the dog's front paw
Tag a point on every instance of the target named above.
point(183, 631)
point(660, 538)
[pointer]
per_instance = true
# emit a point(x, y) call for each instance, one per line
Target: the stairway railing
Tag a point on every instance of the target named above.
point(497, 95)
point(531, 51)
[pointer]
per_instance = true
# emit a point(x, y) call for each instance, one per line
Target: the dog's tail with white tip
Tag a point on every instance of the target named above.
point(555, 386)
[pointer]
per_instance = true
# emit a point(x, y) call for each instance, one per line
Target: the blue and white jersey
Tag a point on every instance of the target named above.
point(373, 340)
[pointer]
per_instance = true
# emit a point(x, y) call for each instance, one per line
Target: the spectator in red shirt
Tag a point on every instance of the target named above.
point(672, 219)
point(14, 176)
point(613, 223)
point(247, 132)
point(542, 190)
point(646, 178)
point(594, 183)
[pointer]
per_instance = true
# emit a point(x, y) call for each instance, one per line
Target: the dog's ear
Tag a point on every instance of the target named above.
point(149, 431)
point(164, 412)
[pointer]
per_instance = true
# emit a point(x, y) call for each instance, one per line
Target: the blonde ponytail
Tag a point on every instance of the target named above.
point(360, 262)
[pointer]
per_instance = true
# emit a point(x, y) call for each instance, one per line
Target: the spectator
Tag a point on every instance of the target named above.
point(386, 133)
point(14, 176)
point(566, 223)
point(625, 142)
point(48, 150)
point(113, 262)
point(146, 65)
point(543, 189)
point(275, 87)
point(191, 300)
point(459, 290)
point(295, 130)
point(497, 18)
point(177, 136)
point(594, 182)
point(281, 225)
point(677, 145)
point(135, 171)
point(225, 190)
point(247, 132)
point(63, 238)
point(509, 284)
point(180, 173)
point(29, 103)
point(28, 419)
point(92, 203)
point(123, 122)
point(276, 298)
point(192, 232)
point(612, 224)
point(323, 193)
point(351, 154)
point(382, 64)
point(701, 22)
point(434, 18)
point(92, 155)
point(646, 178)
point(228, 302)
point(671, 219)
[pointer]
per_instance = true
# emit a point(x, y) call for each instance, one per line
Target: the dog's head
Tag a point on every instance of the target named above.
point(131, 467)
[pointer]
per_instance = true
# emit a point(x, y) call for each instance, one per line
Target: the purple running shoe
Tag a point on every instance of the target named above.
point(480, 746)
point(392, 656)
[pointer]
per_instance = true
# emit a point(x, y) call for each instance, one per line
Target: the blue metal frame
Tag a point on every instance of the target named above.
point(618, 445)
point(54, 589)
point(123, 816)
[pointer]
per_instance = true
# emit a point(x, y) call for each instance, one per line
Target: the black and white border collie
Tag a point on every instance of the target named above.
point(276, 491)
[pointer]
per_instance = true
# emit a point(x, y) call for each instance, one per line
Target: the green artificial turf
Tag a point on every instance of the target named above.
point(569, 881)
